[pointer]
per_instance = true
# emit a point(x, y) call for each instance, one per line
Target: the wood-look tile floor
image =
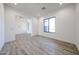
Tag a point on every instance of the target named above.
point(38, 45)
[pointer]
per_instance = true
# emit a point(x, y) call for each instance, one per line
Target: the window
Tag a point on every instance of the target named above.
point(49, 24)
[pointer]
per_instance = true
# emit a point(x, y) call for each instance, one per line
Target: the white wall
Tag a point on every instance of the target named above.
point(35, 26)
point(65, 27)
point(16, 23)
point(2, 36)
point(77, 25)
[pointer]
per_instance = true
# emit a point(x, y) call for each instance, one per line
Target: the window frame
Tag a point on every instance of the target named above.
point(48, 24)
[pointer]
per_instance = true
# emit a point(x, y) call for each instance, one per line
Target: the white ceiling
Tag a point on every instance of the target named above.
point(34, 9)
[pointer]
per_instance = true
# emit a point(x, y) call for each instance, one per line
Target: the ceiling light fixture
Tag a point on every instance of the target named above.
point(60, 3)
point(43, 8)
point(15, 3)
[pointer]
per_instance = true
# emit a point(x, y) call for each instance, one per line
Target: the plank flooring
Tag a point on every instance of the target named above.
point(25, 44)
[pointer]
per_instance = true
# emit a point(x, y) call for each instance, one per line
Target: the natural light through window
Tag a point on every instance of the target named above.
point(49, 24)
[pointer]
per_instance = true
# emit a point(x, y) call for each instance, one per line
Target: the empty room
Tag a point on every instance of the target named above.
point(39, 28)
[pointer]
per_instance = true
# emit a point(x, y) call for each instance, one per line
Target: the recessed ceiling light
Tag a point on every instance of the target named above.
point(15, 3)
point(60, 3)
